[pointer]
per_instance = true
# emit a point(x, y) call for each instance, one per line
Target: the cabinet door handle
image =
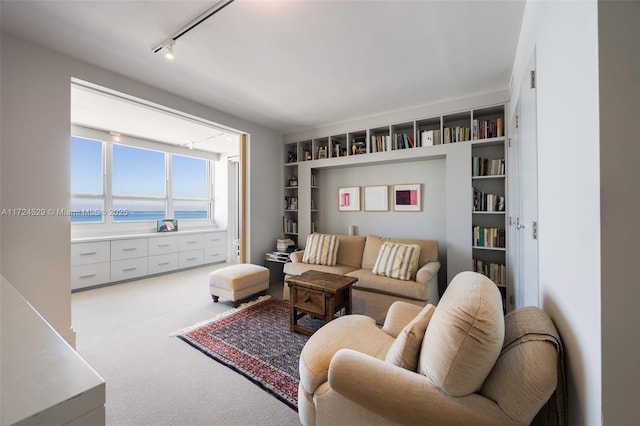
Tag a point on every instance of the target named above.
point(129, 269)
point(191, 242)
point(129, 249)
point(163, 245)
point(89, 253)
point(87, 276)
point(191, 258)
point(163, 263)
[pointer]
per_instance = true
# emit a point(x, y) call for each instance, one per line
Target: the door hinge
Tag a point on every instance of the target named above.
point(535, 230)
point(533, 79)
point(517, 121)
point(509, 145)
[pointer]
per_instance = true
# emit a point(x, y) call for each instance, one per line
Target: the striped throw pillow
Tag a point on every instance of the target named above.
point(321, 249)
point(397, 260)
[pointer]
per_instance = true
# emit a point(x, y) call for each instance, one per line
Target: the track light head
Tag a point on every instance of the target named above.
point(168, 50)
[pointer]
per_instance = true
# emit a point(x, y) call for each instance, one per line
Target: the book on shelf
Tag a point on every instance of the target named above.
point(456, 134)
point(290, 203)
point(290, 226)
point(487, 166)
point(484, 202)
point(485, 129)
point(496, 272)
point(488, 237)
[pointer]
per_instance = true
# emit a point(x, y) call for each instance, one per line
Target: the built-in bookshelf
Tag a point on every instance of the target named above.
point(488, 176)
point(291, 204)
point(481, 128)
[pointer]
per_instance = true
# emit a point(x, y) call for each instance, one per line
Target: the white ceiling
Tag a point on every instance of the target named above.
point(289, 65)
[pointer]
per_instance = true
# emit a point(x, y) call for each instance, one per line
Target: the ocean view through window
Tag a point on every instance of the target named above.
point(115, 183)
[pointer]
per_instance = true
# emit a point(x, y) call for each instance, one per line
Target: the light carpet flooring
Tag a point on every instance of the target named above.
point(153, 379)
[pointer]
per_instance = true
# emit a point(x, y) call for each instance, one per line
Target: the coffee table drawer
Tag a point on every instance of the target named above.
point(309, 300)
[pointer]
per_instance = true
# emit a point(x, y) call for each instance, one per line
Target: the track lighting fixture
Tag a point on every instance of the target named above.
point(167, 46)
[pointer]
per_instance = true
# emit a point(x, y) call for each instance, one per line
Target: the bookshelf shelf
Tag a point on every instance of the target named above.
point(489, 248)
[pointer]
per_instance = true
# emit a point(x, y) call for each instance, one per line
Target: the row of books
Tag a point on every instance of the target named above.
point(488, 237)
point(496, 272)
point(487, 166)
point(483, 129)
point(285, 245)
point(456, 134)
point(278, 256)
point(290, 203)
point(484, 202)
point(290, 226)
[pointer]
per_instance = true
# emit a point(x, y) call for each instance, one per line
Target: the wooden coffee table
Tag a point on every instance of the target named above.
point(319, 294)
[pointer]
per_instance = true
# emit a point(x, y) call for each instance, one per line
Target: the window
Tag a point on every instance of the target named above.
point(132, 184)
point(138, 181)
point(87, 186)
point(189, 187)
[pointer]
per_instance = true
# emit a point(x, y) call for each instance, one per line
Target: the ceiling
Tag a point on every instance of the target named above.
point(289, 65)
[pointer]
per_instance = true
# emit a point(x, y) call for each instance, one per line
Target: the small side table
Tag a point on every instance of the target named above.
point(320, 294)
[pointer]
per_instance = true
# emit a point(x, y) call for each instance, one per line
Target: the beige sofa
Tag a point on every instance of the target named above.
point(460, 363)
point(373, 294)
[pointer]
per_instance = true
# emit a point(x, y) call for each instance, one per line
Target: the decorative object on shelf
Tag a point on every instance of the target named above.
point(407, 197)
point(291, 157)
point(376, 198)
point(349, 199)
point(353, 230)
point(167, 225)
point(293, 181)
point(322, 152)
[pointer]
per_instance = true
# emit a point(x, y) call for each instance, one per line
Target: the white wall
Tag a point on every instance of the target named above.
point(619, 33)
point(564, 35)
point(35, 114)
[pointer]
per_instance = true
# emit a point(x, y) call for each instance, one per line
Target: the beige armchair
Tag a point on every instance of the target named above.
point(460, 363)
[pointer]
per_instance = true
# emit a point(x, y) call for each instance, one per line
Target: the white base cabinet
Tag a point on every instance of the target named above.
point(107, 260)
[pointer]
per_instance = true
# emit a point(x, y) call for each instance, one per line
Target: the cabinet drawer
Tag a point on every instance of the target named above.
point(191, 258)
point(93, 252)
point(309, 300)
point(90, 275)
point(215, 239)
point(128, 268)
point(128, 249)
point(163, 263)
point(163, 245)
point(191, 242)
point(214, 254)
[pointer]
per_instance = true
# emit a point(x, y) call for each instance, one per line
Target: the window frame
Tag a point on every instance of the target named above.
point(110, 226)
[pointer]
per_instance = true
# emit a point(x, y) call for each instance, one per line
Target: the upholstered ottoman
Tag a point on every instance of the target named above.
point(238, 281)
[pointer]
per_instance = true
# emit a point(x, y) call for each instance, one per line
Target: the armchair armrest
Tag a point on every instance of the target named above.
point(429, 270)
point(296, 256)
point(404, 396)
point(399, 315)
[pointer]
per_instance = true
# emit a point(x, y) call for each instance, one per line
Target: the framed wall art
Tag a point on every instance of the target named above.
point(376, 198)
point(407, 197)
point(349, 199)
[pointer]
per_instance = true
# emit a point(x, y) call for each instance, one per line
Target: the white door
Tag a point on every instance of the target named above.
point(525, 223)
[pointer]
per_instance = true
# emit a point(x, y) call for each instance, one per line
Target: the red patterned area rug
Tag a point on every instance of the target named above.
point(255, 341)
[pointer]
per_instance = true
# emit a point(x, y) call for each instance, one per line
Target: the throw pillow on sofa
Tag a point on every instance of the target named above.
point(321, 249)
point(397, 260)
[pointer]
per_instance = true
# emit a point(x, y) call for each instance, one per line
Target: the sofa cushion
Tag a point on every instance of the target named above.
point(405, 349)
point(321, 249)
point(428, 250)
point(397, 260)
point(369, 281)
point(350, 248)
point(465, 335)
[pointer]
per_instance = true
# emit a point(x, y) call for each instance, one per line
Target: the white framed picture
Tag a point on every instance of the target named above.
point(407, 197)
point(376, 198)
point(349, 199)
